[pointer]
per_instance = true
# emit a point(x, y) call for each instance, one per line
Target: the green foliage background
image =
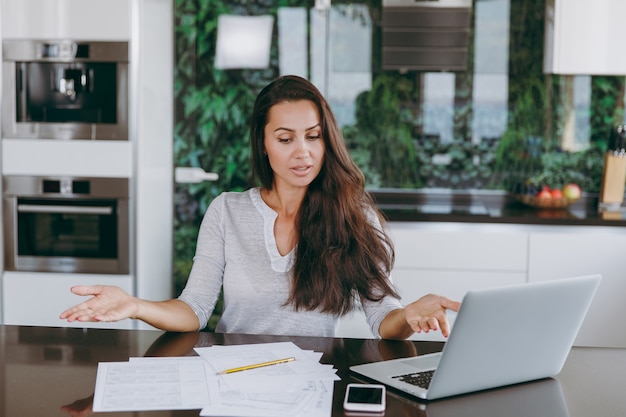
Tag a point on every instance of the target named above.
point(212, 109)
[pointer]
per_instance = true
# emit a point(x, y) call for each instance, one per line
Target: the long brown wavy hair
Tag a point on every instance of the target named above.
point(341, 254)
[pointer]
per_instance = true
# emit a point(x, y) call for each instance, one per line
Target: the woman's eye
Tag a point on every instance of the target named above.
point(314, 137)
point(284, 140)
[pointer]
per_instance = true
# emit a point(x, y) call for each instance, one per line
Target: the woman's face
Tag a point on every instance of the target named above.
point(293, 143)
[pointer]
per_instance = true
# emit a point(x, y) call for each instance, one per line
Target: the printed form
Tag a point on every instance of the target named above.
point(152, 384)
point(300, 387)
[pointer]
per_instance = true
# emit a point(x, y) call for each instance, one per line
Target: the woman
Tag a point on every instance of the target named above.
point(292, 255)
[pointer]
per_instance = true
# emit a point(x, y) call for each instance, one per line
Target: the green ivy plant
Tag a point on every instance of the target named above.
point(559, 168)
point(382, 135)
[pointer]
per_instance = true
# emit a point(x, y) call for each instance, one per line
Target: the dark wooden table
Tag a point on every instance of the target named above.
point(44, 369)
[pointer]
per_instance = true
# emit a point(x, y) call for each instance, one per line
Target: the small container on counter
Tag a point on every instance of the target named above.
point(614, 175)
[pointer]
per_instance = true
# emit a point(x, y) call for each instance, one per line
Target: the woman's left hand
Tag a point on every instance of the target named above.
point(429, 313)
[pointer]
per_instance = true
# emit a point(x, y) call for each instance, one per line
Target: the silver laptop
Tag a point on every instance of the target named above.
point(501, 336)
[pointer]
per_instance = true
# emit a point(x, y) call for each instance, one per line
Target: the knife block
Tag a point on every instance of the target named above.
point(613, 179)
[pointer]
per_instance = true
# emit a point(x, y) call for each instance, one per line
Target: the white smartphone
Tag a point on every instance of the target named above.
point(365, 397)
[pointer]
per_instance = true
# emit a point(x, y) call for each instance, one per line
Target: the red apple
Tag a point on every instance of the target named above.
point(556, 193)
point(544, 194)
point(572, 191)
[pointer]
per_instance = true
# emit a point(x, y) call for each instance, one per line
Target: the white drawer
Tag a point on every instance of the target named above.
point(37, 298)
point(463, 249)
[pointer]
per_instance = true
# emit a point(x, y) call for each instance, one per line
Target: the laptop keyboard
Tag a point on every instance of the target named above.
point(420, 379)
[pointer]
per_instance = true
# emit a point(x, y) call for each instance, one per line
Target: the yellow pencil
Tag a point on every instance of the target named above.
point(256, 365)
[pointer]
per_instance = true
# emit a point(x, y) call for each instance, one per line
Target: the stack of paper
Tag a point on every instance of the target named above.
point(302, 387)
point(299, 387)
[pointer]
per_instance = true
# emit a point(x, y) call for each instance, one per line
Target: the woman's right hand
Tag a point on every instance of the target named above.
point(107, 303)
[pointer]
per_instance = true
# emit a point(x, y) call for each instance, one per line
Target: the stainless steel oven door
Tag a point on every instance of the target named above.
point(69, 228)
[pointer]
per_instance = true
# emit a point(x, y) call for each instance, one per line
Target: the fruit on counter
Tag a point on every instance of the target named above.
point(556, 193)
point(542, 195)
point(572, 191)
point(545, 193)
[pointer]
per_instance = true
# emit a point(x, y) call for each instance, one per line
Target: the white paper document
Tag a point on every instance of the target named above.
point(155, 384)
point(301, 387)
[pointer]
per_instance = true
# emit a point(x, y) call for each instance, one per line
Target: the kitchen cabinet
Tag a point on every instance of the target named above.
point(562, 252)
point(145, 158)
point(584, 37)
point(449, 259)
point(452, 258)
point(38, 298)
point(111, 159)
point(70, 19)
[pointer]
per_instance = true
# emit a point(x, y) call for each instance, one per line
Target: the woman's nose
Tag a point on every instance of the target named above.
point(302, 148)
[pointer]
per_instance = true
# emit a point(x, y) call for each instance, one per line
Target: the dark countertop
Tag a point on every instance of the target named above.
point(483, 206)
point(51, 371)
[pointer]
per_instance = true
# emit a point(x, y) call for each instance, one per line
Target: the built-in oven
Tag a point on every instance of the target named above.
point(65, 89)
point(66, 224)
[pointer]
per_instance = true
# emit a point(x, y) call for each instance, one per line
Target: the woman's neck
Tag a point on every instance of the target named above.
point(286, 206)
point(284, 202)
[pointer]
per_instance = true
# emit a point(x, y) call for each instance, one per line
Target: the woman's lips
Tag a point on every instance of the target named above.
point(301, 170)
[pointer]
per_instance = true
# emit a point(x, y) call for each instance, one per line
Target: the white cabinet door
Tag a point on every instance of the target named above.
point(599, 251)
point(452, 284)
point(585, 37)
point(37, 299)
point(413, 284)
point(89, 158)
point(448, 260)
point(70, 19)
point(452, 246)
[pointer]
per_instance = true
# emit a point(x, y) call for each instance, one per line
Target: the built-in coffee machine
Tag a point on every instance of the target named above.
point(65, 89)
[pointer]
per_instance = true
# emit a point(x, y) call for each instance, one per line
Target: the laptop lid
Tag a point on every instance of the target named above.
point(501, 336)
